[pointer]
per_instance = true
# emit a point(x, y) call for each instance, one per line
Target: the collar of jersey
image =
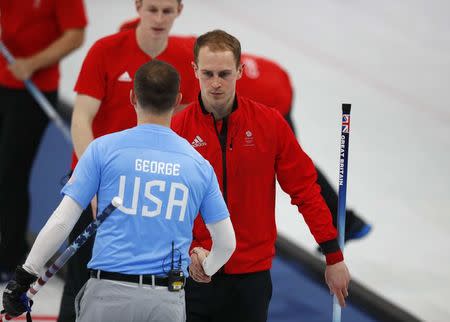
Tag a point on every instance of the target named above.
point(154, 127)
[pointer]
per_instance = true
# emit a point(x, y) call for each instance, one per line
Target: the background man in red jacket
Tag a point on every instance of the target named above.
point(249, 145)
point(39, 34)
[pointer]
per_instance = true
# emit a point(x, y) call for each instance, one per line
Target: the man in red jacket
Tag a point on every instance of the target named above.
point(249, 145)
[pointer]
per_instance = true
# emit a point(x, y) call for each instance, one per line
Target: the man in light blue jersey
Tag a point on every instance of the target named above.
point(140, 254)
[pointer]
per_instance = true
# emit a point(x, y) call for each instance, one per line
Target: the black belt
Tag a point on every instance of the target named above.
point(138, 279)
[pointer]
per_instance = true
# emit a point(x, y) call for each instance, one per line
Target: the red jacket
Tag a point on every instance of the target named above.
point(257, 146)
point(28, 27)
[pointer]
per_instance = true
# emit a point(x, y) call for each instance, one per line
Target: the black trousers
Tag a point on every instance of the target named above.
point(237, 298)
point(22, 125)
point(77, 273)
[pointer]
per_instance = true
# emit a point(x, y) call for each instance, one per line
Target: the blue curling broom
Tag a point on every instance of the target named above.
point(343, 161)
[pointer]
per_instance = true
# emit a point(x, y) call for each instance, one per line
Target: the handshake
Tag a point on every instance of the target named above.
point(196, 269)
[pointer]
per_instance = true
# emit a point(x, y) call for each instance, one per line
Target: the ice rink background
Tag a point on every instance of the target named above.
point(391, 61)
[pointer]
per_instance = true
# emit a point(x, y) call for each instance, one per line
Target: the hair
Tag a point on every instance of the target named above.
point(140, 1)
point(156, 86)
point(218, 40)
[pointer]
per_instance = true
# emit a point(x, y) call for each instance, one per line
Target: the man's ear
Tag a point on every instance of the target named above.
point(195, 67)
point(179, 98)
point(133, 99)
point(138, 4)
point(178, 106)
point(180, 9)
point(240, 70)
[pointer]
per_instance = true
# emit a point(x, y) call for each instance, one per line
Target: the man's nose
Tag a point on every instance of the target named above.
point(159, 17)
point(216, 82)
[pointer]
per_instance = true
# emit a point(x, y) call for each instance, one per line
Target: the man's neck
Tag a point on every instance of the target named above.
point(151, 46)
point(219, 112)
point(163, 120)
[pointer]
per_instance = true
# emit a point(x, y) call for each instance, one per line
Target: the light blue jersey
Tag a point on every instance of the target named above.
point(163, 183)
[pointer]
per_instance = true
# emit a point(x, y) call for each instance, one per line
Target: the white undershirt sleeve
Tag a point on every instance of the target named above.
point(223, 245)
point(53, 234)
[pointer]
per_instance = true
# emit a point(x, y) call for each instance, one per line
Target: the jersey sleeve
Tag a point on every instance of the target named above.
point(85, 180)
point(71, 14)
point(297, 177)
point(92, 78)
point(213, 208)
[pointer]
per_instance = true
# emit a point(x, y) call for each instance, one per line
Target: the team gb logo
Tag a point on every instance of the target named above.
point(249, 139)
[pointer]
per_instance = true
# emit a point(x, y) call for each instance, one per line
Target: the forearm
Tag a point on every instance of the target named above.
point(318, 218)
point(70, 40)
point(82, 136)
point(53, 234)
point(84, 111)
point(224, 244)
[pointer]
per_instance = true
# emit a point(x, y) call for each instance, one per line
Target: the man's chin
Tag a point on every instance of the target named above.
point(217, 99)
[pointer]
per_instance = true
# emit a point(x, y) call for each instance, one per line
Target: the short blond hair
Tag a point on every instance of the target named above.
point(218, 40)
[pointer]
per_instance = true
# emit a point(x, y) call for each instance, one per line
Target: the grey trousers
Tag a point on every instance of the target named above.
point(111, 301)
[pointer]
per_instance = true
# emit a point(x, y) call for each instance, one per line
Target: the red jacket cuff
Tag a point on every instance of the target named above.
point(193, 245)
point(335, 257)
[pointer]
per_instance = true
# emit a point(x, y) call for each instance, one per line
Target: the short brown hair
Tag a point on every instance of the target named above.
point(156, 85)
point(218, 40)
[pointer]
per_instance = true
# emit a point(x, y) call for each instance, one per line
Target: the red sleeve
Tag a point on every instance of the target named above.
point(92, 78)
point(297, 177)
point(71, 14)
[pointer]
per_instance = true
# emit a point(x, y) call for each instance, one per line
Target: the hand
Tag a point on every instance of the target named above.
point(22, 68)
point(337, 278)
point(13, 302)
point(196, 271)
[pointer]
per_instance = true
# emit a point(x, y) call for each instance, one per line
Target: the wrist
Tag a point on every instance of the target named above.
point(23, 277)
point(332, 251)
point(33, 64)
